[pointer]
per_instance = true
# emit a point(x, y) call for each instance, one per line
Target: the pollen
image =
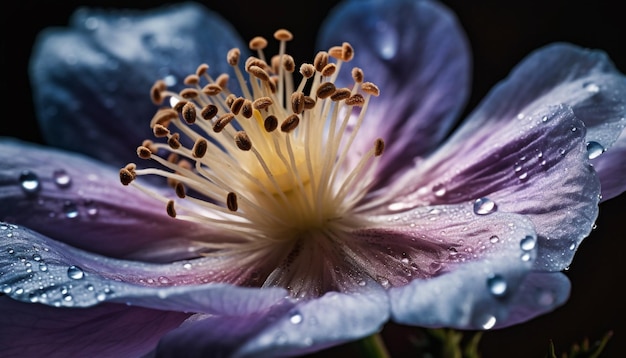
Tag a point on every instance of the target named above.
point(271, 163)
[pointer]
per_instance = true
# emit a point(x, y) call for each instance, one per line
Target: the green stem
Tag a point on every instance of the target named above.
point(373, 347)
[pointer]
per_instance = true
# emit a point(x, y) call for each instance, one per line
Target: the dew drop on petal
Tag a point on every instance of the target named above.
point(484, 206)
point(497, 285)
point(29, 182)
point(75, 272)
point(486, 321)
point(572, 246)
point(439, 190)
point(594, 149)
point(494, 239)
point(70, 210)
point(525, 257)
point(43, 267)
point(527, 243)
point(591, 87)
point(295, 317)
point(61, 178)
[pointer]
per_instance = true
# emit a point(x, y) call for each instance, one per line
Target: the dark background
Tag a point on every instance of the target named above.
point(501, 33)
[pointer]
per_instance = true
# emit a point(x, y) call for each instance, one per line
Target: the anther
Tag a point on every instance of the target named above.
point(174, 141)
point(202, 69)
point(189, 113)
point(222, 80)
point(160, 131)
point(237, 104)
point(307, 70)
point(257, 43)
point(199, 148)
point(143, 152)
point(209, 111)
point(163, 116)
point(347, 52)
point(212, 89)
point(254, 61)
point(189, 93)
point(329, 70)
point(230, 99)
point(127, 175)
point(155, 92)
point(325, 90)
point(222, 122)
point(297, 102)
point(321, 60)
point(150, 145)
point(231, 201)
point(288, 63)
point(246, 108)
point(179, 188)
point(270, 123)
point(357, 75)
point(262, 103)
point(355, 100)
point(336, 52)
point(379, 147)
point(370, 88)
point(243, 141)
point(259, 73)
point(283, 35)
point(233, 56)
point(309, 102)
point(191, 80)
point(290, 123)
point(170, 209)
point(178, 107)
point(341, 94)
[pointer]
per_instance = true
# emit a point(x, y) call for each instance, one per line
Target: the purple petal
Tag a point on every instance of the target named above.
point(536, 165)
point(417, 54)
point(108, 330)
point(293, 328)
point(611, 167)
point(82, 202)
point(37, 269)
point(92, 81)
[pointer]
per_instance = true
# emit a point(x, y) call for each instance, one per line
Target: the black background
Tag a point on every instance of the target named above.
point(501, 33)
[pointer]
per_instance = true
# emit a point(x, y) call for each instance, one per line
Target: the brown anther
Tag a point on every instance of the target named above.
point(379, 147)
point(329, 70)
point(347, 52)
point(189, 93)
point(357, 75)
point(155, 92)
point(325, 90)
point(160, 131)
point(191, 80)
point(355, 100)
point(143, 152)
point(290, 123)
point(173, 157)
point(257, 43)
point(233, 56)
point(246, 108)
point(174, 141)
point(288, 63)
point(212, 89)
point(262, 103)
point(222, 81)
point(178, 107)
point(243, 141)
point(341, 94)
point(297, 102)
point(336, 52)
point(270, 123)
point(200, 148)
point(255, 61)
point(131, 167)
point(189, 113)
point(230, 99)
point(321, 60)
point(222, 122)
point(209, 111)
point(171, 211)
point(127, 175)
point(283, 35)
point(163, 116)
point(231, 201)
point(237, 104)
point(307, 70)
point(202, 69)
point(150, 145)
point(179, 188)
point(370, 88)
point(259, 73)
point(309, 102)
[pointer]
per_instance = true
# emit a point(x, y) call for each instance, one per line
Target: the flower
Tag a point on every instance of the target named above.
point(469, 231)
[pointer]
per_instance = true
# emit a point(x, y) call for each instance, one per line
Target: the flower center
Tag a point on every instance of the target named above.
point(270, 165)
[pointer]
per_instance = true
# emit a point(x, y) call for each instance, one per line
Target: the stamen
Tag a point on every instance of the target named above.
point(290, 123)
point(243, 141)
point(170, 209)
point(231, 201)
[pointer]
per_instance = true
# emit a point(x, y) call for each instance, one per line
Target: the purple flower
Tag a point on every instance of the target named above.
point(301, 221)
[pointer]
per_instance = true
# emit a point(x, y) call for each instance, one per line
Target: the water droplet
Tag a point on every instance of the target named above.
point(36, 257)
point(487, 321)
point(484, 206)
point(43, 267)
point(525, 257)
point(61, 178)
point(591, 87)
point(594, 149)
point(295, 317)
point(10, 251)
point(29, 182)
point(75, 272)
point(439, 190)
point(187, 266)
point(572, 246)
point(523, 176)
point(70, 210)
point(497, 285)
point(383, 281)
point(164, 280)
point(527, 243)
point(494, 239)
